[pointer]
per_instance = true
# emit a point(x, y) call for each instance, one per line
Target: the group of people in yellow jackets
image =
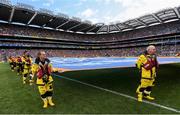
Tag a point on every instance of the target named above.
point(40, 70)
point(23, 66)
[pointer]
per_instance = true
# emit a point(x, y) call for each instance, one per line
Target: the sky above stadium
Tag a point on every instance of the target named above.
point(105, 11)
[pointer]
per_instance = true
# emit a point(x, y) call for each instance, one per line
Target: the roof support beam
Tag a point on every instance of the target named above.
point(118, 28)
point(12, 14)
point(141, 22)
point(85, 28)
point(100, 28)
point(177, 13)
point(93, 28)
point(63, 24)
point(75, 26)
point(48, 22)
point(157, 18)
point(32, 18)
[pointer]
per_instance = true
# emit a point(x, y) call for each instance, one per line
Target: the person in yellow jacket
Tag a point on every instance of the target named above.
point(19, 63)
point(12, 62)
point(43, 70)
point(24, 56)
point(147, 64)
point(27, 68)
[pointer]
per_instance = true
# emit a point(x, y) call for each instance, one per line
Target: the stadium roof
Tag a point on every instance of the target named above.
point(27, 15)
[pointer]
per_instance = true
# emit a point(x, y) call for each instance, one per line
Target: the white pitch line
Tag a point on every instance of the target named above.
point(121, 94)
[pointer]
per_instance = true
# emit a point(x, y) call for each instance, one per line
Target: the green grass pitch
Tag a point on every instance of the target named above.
point(71, 97)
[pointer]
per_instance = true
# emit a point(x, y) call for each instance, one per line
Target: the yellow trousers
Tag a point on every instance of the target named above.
point(45, 89)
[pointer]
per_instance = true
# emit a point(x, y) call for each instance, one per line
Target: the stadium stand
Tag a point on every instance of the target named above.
point(24, 28)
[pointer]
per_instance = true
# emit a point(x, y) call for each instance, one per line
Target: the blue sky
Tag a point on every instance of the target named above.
point(105, 11)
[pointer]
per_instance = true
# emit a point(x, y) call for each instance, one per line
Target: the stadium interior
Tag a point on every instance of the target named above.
point(64, 39)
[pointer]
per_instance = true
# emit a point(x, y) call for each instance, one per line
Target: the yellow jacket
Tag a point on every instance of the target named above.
point(10, 60)
point(19, 60)
point(27, 62)
point(38, 71)
point(35, 70)
point(148, 66)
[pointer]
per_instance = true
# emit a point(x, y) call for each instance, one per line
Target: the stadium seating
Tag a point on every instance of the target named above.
point(17, 33)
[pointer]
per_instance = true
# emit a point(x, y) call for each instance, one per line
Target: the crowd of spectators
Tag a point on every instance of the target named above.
point(4, 42)
point(167, 50)
point(14, 30)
